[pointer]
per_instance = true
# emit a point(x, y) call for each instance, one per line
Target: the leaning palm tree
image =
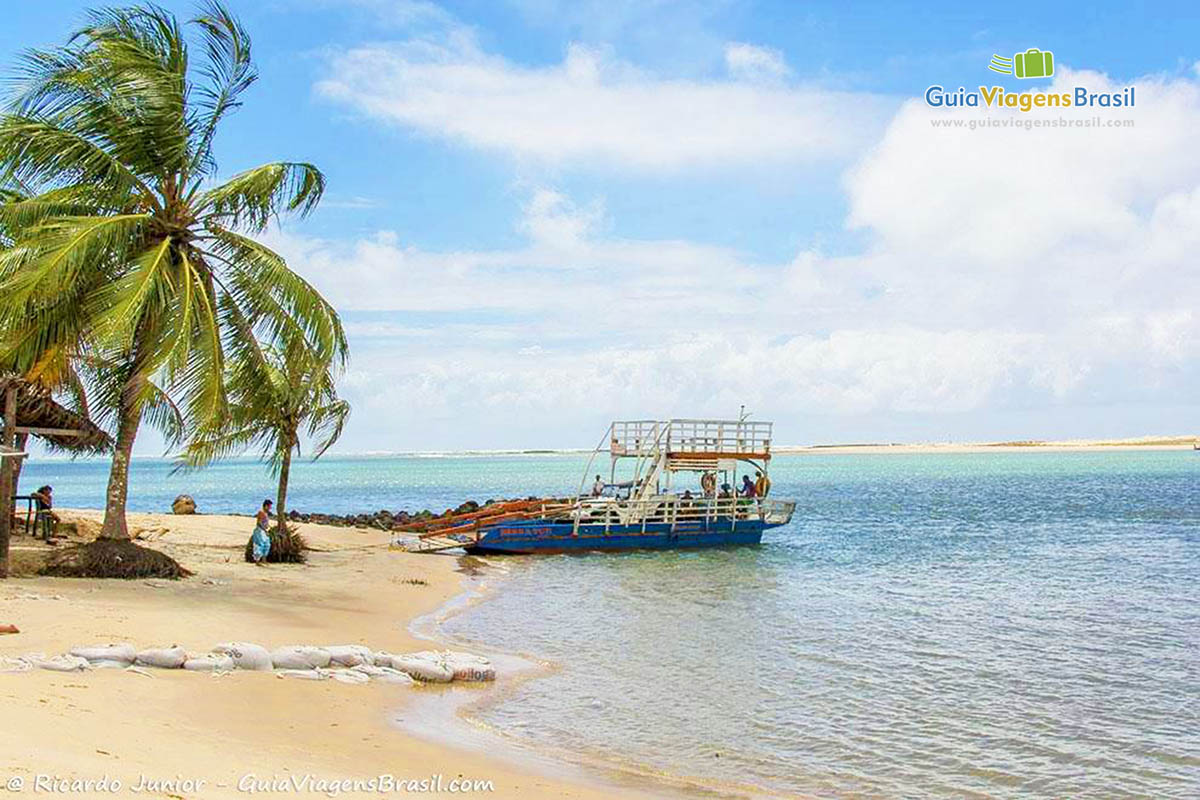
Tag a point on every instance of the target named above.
point(277, 395)
point(128, 252)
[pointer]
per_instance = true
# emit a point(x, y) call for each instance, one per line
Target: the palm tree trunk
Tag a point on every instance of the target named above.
point(130, 417)
point(281, 499)
point(6, 483)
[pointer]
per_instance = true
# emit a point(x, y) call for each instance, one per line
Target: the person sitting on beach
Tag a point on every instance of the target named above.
point(762, 485)
point(260, 540)
point(747, 489)
point(46, 519)
point(598, 487)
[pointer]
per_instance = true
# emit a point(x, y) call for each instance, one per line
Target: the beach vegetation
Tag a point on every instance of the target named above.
point(280, 396)
point(288, 546)
point(112, 558)
point(128, 255)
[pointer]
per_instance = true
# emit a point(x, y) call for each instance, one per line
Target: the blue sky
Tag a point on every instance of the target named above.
point(541, 215)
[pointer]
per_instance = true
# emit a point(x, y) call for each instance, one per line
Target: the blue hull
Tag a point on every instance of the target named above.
point(559, 537)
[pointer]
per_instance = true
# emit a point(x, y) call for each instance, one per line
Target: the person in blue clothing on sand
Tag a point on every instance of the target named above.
point(260, 540)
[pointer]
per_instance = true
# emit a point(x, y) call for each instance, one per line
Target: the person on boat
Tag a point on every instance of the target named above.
point(726, 491)
point(708, 484)
point(260, 540)
point(762, 485)
point(598, 487)
point(747, 489)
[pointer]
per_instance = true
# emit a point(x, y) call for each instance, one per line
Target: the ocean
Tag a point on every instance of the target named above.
point(1009, 624)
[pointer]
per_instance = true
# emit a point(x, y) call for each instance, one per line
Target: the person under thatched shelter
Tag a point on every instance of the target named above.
point(30, 410)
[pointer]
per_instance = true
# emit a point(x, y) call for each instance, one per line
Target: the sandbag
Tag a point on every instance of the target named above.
point(162, 657)
point(383, 674)
point(65, 663)
point(109, 665)
point(349, 655)
point(106, 652)
point(464, 666)
point(213, 662)
point(246, 655)
point(300, 656)
point(382, 658)
point(348, 676)
point(423, 669)
point(303, 674)
point(469, 667)
point(15, 664)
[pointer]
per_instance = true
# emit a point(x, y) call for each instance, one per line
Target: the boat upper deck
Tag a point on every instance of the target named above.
point(685, 440)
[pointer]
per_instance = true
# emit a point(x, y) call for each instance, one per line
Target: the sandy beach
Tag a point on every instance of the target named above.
point(1024, 446)
point(176, 726)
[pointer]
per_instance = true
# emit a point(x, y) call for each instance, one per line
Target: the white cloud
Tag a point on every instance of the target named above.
point(592, 106)
point(755, 63)
point(552, 220)
point(1046, 228)
point(1004, 271)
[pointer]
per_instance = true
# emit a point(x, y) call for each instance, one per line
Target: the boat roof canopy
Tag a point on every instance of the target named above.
point(696, 444)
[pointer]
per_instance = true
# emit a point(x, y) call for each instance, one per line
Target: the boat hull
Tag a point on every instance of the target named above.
point(561, 537)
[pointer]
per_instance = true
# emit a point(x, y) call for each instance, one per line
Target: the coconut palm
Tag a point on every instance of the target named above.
point(276, 395)
point(128, 253)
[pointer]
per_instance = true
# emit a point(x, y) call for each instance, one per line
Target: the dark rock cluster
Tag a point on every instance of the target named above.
point(383, 519)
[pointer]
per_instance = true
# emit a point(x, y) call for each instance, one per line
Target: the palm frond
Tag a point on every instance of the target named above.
point(229, 72)
point(39, 151)
point(250, 200)
point(58, 250)
point(276, 298)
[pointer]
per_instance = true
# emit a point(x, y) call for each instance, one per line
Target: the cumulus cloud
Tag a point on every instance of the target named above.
point(1003, 269)
point(1044, 228)
point(592, 106)
point(755, 63)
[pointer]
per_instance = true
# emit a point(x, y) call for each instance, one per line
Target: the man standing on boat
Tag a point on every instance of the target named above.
point(762, 485)
point(598, 487)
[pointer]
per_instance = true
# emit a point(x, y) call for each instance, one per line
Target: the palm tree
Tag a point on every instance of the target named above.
point(276, 393)
point(128, 253)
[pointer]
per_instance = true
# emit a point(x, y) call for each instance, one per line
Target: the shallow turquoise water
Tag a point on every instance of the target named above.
point(996, 625)
point(1003, 625)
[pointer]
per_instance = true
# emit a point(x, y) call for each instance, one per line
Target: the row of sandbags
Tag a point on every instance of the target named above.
point(347, 663)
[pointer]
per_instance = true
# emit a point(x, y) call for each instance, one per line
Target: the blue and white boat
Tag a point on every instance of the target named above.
point(647, 501)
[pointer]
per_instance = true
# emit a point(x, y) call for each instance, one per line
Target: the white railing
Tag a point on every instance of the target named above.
point(635, 437)
point(721, 437)
point(674, 509)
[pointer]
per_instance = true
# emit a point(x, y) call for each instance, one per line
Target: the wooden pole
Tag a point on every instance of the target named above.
point(6, 476)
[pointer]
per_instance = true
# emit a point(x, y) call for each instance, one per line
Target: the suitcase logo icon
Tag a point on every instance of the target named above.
point(1033, 63)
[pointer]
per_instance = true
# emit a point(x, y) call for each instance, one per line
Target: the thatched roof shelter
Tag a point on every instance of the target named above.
point(40, 415)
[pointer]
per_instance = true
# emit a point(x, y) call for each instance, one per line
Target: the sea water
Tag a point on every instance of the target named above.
point(961, 625)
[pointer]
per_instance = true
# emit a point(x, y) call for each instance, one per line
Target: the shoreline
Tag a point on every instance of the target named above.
point(173, 723)
point(458, 710)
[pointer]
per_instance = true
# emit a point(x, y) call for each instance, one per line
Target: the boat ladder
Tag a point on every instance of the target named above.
point(435, 544)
